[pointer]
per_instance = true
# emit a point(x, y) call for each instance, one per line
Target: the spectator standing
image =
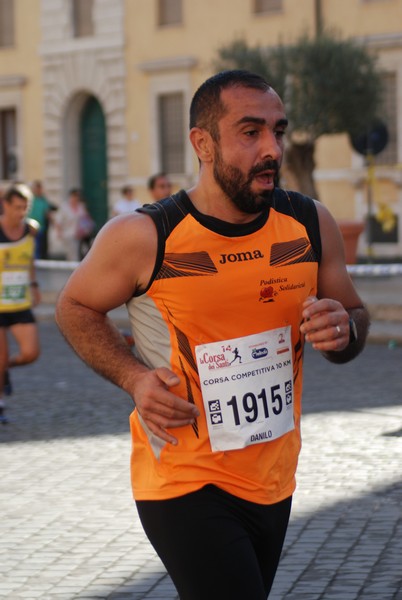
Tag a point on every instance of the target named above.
point(18, 287)
point(74, 224)
point(159, 186)
point(41, 210)
point(127, 203)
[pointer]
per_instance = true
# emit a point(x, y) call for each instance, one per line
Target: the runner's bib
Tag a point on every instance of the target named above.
point(14, 287)
point(247, 388)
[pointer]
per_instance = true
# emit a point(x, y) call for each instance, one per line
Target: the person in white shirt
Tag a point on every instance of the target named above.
point(127, 202)
point(69, 222)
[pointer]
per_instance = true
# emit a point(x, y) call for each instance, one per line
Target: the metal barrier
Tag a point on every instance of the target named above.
point(63, 265)
point(366, 269)
point(52, 276)
point(379, 286)
point(372, 270)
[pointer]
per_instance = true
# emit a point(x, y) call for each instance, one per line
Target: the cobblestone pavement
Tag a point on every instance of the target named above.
point(69, 528)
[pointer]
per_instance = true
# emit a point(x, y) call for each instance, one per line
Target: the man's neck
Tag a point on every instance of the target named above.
point(11, 229)
point(214, 203)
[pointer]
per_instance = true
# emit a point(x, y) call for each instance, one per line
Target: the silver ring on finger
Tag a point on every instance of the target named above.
point(338, 329)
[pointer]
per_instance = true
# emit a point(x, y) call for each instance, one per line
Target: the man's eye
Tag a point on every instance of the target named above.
point(280, 133)
point(251, 132)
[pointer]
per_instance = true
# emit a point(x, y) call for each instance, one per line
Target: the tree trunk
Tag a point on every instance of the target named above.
point(299, 159)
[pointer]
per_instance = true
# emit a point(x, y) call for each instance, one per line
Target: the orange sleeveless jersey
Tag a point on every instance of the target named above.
point(215, 281)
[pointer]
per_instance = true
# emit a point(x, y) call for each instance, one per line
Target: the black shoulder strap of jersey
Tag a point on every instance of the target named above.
point(304, 210)
point(166, 214)
point(4, 239)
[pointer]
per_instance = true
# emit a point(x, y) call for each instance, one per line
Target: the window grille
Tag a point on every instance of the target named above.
point(8, 143)
point(171, 128)
point(170, 12)
point(389, 113)
point(264, 6)
point(6, 23)
point(83, 25)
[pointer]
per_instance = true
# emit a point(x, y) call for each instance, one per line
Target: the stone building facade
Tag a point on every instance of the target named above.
point(95, 93)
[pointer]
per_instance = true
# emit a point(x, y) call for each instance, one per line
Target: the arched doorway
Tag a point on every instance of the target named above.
point(93, 159)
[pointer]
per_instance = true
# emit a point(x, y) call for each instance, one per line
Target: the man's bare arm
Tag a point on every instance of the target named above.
point(326, 318)
point(119, 262)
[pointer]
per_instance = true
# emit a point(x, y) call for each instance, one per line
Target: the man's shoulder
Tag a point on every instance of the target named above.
point(167, 213)
point(304, 210)
point(292, 194)
point(294, 203)
point(128, 223)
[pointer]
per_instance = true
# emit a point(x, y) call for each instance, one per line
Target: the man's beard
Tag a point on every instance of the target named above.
point(237, 187)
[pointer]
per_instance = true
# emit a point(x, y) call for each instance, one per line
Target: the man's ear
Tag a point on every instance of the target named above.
point(202, 143)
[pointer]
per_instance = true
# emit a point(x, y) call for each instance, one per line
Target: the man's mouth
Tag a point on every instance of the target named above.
point(265, 177)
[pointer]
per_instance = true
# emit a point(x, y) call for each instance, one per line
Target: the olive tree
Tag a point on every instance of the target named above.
point(328, 85)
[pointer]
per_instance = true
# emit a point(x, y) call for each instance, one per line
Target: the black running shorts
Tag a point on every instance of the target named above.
point(8, 319)
point(215, 545)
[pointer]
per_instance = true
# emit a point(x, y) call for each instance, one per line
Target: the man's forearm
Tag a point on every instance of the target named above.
point(97, 342)
point(361, 318)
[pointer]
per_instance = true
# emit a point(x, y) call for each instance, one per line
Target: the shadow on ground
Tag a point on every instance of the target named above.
point(59, 396)
point(331, 553)
point(351, 549)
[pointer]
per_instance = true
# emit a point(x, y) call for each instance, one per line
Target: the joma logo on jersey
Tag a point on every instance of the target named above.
point(240, 256)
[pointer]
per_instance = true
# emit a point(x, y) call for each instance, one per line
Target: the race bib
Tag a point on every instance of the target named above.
point(247, 388)
point(14, 287)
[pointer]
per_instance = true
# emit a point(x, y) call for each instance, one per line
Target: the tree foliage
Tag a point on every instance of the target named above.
point(328, 85)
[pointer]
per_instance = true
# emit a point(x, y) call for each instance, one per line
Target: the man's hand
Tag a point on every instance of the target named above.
point(326, 324)
point(159, 408)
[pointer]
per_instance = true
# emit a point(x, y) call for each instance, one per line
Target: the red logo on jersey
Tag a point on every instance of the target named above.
point(267, 294)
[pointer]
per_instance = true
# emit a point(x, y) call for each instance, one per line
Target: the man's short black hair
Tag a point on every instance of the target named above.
point(207, 107)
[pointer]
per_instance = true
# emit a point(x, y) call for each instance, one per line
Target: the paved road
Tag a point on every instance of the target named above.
point(69, 528)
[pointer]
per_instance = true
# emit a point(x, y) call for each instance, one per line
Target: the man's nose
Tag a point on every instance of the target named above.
point(272, 146)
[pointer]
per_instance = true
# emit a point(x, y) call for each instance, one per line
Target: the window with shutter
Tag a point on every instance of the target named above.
point(389, 114)
point(265, 6)
point(7, 24)
point(171, 132)
point(8, 143)
point(169, 12)
point(82, 13)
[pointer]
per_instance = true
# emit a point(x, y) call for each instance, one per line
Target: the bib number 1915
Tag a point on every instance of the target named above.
point(257, 408)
